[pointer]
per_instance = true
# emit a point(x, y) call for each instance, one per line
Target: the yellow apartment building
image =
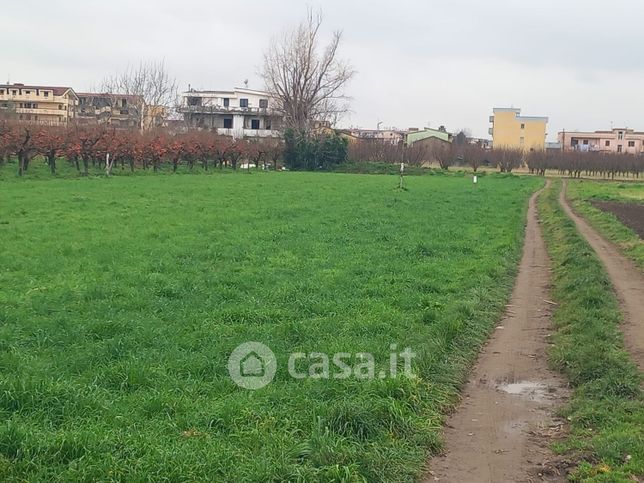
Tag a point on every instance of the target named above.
point(54, 106)
point(512, 130)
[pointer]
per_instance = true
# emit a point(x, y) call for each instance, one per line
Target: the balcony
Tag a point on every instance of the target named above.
point(266, 111)
point(39, 111)
point(239, 133)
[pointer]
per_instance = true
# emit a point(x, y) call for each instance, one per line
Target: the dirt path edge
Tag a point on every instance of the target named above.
point(505, 423)
point(626, 277)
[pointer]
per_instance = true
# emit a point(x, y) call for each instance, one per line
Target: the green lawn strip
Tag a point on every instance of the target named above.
point(582, 192)
point(606, 412)
point(122, 298)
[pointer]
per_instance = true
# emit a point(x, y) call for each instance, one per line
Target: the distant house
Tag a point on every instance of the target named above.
point(55, 106)
point(390, 136)
point(428, 137)
point(239, 112)
point(617, 140)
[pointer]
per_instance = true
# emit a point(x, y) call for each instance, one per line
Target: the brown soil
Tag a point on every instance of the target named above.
point(630, 214)
point(506, 422)
point(627, 280)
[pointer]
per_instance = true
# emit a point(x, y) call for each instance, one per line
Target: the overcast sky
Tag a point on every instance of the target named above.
point(418, 63)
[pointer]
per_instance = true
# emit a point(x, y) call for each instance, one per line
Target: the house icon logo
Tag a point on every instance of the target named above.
point(252, 365)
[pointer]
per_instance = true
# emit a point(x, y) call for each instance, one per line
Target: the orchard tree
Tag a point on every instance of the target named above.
point(51, 143)
point(443, 153)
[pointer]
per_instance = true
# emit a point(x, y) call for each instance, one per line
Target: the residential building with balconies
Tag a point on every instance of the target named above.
point(117, 110)
point(48, 105)
point(617, 140)
point(239, 113)
point(512, 130)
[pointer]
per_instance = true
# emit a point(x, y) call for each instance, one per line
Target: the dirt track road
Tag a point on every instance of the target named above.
point(627, 280)
point(502, 428)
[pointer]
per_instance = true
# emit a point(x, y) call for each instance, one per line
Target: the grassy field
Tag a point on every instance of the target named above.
point(581, 193)
point(606, 412)
point(122, 299)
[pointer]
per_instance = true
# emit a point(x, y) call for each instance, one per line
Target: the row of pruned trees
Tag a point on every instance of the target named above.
point(107, 147)
point(576, 163)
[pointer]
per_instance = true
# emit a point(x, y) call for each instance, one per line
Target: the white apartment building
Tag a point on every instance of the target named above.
point(239, 113)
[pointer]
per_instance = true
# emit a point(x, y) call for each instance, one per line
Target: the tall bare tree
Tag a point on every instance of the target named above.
point(307, 81)
point(153, 92)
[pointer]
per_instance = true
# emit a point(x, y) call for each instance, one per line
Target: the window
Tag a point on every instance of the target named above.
point(228, 122)
point(226, 102)
point(521, 140)
point(620, 135)
point(619, 148)
point(522, 126)
point(267, 124)
point(1, 91)
point(45, 93)
point(27, 92)
point(631, 144)
point(60, 107)
point(586, 142)
point(14, 92)
point(254, 123)
point(243, 102)
point(607, 143)
point(263, 103)
point(574, 142)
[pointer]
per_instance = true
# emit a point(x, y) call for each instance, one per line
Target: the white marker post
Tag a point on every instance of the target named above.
point(108, 165)
point(475, 179)
point(402, 171)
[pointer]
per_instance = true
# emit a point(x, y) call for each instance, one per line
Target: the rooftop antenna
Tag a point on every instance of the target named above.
point(246, 83)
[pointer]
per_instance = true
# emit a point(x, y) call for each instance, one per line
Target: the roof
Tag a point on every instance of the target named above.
point(108, 94)
point(427, 133)
point(58, 91)
point(241, 90)
point(518, 115)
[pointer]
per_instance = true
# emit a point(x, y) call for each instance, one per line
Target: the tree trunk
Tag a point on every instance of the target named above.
point(51, 159)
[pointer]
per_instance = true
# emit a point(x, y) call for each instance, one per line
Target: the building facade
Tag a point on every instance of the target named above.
point(512, 130)
point(239, 113)
point(55, 106)
point(118, 110)
point(617, 140)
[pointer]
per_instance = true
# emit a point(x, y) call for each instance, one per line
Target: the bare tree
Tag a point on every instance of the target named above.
point(444, 153)
point(151, 91)
point(307, 84)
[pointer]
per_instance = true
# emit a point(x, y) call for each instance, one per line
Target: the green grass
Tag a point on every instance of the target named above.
point(122, 298)
point(581, 193)
point(606, 412)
